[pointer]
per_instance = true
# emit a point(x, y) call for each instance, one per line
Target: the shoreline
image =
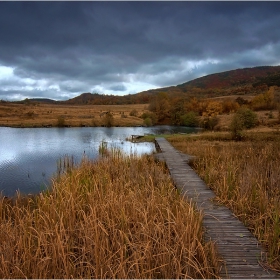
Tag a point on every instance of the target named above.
point(67, 126)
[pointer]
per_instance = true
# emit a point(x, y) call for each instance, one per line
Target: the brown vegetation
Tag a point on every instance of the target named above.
point(163, 108)
point(118, 217)
point(47, 115)
point(245, 176)
point(211, 113)
point(245, 82)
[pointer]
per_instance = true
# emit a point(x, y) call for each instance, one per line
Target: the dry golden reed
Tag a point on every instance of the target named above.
point(38, 115)
point(117, 217)
point(245, 176)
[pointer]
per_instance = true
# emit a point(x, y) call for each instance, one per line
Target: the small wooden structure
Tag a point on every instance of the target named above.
point(135, 137)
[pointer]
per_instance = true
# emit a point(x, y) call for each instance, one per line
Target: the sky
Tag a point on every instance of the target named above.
point(59, 50)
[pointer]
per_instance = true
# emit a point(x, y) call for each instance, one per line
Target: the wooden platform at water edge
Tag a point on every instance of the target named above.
point(240, 251)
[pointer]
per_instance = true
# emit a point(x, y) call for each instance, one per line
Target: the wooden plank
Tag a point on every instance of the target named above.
point(235, 244)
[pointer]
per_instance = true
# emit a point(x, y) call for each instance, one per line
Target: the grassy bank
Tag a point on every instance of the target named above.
point(36, 114)
point(53, 115)
point(118, 217)
point(245, 176)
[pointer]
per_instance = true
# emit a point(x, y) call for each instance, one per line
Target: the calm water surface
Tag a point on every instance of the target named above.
point(29, 156)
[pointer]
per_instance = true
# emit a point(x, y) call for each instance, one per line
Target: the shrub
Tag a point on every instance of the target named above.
point(265, 101)
point(209, 122)
point(148, 122)
point(189, 119)
point(244, 118)
point(145, 115)
point(133, 113)
point(108, 120)
point(241, 101)
point(236, 127)
point(248, 117)
point(149, 115)
point(230, 106)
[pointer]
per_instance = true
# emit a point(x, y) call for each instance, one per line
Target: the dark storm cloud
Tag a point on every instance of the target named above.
point(65, 48)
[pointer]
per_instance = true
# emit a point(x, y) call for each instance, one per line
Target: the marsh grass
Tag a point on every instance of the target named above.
point(117, 217)
point(245, 176)
point(41, 115)
point(64, 164)
point(103, 149)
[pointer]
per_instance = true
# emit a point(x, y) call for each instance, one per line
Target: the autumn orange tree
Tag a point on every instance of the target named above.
point(196, 105)
point(209, 116)
point(230, 106)
point(264, 101)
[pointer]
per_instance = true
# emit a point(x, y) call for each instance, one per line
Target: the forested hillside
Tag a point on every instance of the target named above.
point(247, 81)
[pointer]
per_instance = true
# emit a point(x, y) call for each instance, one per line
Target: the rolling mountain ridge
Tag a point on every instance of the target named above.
point(246, 81)
point(233, 78)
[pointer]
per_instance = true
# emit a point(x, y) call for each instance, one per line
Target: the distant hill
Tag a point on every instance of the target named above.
point(102, 99)
point(240, 81)
point(43, 100)
point(246, 81)
point(37, 100)
point(233, 78)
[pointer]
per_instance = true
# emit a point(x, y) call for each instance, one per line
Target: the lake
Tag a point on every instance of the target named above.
point(29, 156)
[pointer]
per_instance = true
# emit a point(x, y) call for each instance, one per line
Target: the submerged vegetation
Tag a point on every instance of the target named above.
point(245, 176)
point(117, 217)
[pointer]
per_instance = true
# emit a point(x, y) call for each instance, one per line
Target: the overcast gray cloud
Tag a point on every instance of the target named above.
point(61, 49)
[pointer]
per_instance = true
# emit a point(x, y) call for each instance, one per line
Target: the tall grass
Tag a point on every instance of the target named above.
point(118, 217)
point(245, 176)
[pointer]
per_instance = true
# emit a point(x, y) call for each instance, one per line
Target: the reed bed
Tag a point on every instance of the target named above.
point(117, 217)
point(245, 176)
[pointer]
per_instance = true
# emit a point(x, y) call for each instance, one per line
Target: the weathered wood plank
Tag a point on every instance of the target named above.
point(239, 249)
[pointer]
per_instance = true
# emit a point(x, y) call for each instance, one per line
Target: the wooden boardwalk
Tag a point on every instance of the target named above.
point(238, 248)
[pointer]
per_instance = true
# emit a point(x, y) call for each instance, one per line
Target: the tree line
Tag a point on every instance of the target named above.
point(194, 111)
